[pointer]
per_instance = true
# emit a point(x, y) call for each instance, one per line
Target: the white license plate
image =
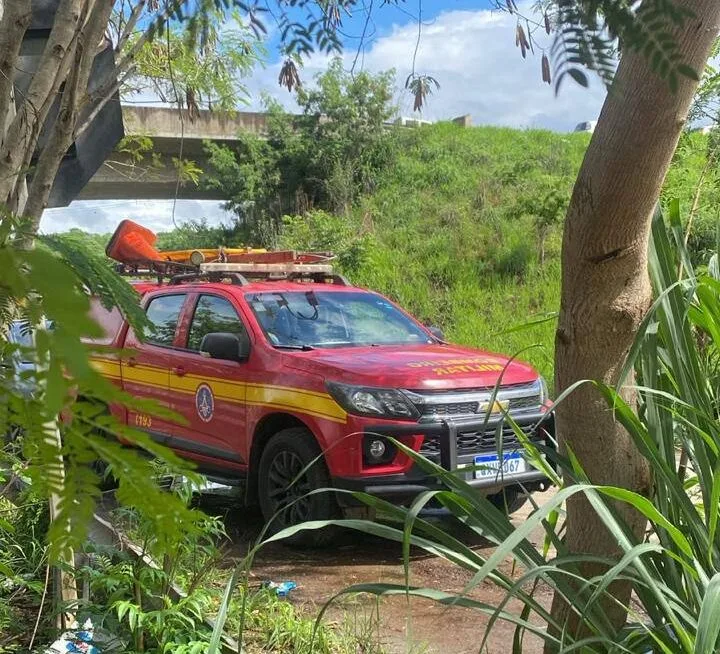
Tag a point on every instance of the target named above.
point(489, 465)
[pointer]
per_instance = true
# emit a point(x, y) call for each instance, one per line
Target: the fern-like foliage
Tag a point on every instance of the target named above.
point(591, 32)
point(304, 26)
point(40, 287)
point(96, 273)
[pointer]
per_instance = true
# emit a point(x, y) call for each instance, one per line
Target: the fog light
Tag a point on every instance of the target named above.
point(377, 449)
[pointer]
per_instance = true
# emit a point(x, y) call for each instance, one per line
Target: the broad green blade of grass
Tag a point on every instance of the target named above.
point(709, 621)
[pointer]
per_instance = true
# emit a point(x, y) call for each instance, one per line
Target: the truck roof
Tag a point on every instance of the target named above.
point(259, 286)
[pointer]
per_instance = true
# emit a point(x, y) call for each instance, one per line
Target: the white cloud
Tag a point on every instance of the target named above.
point(473, 56)
point(471, 53)
point(103, 216)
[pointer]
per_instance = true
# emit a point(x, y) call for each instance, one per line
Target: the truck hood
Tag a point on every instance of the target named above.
point(414, 367)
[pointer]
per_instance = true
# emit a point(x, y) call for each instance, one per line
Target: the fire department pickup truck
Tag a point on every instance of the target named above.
point(272, 366)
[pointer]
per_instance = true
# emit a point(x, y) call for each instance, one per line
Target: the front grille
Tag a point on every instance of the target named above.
point(467, 402)
point(473, 442)
point(453, 409)
point(527, 402)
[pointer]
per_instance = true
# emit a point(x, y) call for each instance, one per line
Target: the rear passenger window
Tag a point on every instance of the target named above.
point(163, 313)
point(213, 314)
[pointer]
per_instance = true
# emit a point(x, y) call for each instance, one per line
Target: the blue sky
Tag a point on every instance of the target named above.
point(469, 48)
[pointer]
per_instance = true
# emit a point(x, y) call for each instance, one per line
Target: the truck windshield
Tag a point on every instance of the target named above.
point(333, 319)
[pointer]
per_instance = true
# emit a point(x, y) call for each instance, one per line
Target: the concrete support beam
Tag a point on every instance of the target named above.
point(122, 179)
point(165, 122)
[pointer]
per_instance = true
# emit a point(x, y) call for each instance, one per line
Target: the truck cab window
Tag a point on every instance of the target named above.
point(163, 313)
point(213, 314)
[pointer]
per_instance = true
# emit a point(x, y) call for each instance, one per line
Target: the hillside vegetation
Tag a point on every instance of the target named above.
point(455, 229)
point(464, 229)
point(461, 226)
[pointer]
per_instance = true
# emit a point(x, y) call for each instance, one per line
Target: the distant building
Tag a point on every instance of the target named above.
point(586, 126)
point(411, 122)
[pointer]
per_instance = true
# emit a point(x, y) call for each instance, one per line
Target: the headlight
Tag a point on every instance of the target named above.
point(370, 401)
point(544, 394)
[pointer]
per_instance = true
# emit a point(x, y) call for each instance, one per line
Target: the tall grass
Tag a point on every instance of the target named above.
point(674, 570)
point(451, 239)
point(451, 230)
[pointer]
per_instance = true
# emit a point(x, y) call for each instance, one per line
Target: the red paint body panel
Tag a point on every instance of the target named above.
point(429, 367)
point(274, 381)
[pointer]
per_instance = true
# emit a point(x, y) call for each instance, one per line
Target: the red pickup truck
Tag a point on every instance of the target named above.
point(270, 375)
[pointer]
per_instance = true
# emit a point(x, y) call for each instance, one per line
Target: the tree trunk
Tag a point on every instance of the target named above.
point(13, 25)
point(75, 91)
point(22, 134)
point(605, 285)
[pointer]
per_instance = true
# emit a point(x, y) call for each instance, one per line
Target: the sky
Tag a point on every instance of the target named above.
point(464, 44)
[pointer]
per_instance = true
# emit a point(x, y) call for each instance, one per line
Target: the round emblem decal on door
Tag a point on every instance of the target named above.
point(204, 402)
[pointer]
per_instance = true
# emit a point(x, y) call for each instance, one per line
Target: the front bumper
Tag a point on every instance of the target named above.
point(455, 442)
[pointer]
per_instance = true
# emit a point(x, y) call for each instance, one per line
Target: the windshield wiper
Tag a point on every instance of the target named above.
point(302, 348)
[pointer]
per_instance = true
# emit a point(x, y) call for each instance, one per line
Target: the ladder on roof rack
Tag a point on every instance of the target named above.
point(244, 273)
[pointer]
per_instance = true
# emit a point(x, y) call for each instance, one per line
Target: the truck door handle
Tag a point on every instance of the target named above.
point(179, 371)
point(131, 361)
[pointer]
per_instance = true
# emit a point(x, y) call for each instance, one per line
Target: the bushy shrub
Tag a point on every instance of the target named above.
point(322, 231)
point(514, 260)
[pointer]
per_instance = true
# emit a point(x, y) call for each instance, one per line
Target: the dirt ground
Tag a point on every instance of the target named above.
point(416, 627)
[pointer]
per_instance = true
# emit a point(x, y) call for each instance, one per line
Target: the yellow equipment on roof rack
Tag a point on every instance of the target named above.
point(133, 246)
point(209, 255)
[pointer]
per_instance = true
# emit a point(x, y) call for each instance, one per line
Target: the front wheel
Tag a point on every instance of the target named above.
point(291, 467)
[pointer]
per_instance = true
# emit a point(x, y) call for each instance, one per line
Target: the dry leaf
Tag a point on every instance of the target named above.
point(289, 76)
point(546, 69)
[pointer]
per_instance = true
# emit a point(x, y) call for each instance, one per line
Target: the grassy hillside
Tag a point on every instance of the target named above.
point(448, 234)
point(454, 229)
point(462, 226)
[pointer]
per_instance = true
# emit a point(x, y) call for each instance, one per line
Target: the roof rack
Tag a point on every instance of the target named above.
point(134, 247)
point(217, 276)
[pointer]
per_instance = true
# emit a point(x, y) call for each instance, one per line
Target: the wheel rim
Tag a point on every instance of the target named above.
point(288, 488)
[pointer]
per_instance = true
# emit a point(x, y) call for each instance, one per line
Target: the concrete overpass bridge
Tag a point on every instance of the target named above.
point(154, 177)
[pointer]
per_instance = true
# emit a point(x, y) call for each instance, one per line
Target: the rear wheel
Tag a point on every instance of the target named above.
point(509, 500)
point(292, 466)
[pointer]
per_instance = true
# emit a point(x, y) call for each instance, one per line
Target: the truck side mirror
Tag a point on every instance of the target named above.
point(436, 332)
point(226, 346)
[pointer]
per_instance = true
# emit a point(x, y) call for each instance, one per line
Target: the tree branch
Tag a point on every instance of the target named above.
point(13, 25)
point(62, 136)
point(21, 136)
point(126, 60)
point(130, 25)
point(81, 127)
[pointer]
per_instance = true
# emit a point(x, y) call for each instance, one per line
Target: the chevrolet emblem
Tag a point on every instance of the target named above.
point(498, 406)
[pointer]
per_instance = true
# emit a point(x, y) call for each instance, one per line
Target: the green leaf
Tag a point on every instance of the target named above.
point(708, 627)
point(646, 507)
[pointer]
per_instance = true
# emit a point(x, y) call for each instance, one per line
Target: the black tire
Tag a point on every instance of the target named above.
point(285, 456)
point(509, 500)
